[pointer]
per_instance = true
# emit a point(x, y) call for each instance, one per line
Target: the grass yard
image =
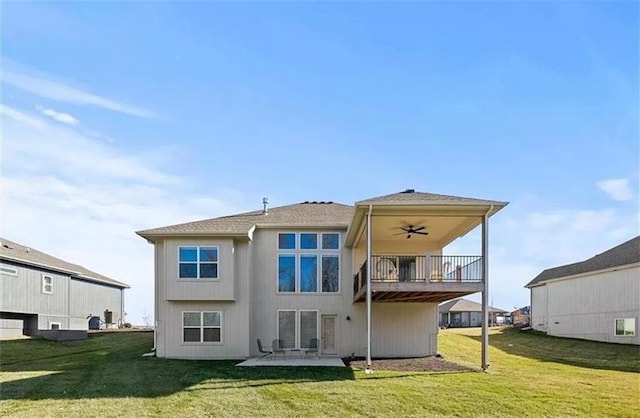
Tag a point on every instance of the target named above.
point(531, 375)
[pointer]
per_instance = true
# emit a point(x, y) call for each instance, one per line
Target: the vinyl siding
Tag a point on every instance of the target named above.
point(235, 311)
point(266, 300)
point(586, 307)
point(69, 305)
point(91, 299)
point(23, 293)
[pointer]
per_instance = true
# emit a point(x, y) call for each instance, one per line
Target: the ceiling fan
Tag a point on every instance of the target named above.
point(411, 229)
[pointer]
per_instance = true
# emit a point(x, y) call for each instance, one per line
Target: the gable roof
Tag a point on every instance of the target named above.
point(623, 254)
point(18, 253)
point(464, 305)
point(412, 196)
point(305, 214)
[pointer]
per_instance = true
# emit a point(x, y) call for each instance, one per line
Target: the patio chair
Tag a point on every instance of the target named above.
point(312, 350)
point(276, 348)
point(264, 353)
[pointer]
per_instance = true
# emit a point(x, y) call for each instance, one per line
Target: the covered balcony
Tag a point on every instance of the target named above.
point(399, 247)
point(421, 278)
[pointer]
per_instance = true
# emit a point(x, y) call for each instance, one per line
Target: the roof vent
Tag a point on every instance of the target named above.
point(409, 191)
point(265, 202)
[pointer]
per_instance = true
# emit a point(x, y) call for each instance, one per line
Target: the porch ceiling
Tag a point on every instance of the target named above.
point(444, 223)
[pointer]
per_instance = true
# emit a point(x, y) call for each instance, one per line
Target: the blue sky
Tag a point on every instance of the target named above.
point(117, 117)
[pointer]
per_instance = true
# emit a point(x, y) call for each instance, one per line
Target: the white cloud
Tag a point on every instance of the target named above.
point(44, 86)
point(617, 189)
point(58, 116)
point(77, 198)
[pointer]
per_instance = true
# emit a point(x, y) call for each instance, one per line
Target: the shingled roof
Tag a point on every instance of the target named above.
point(621, 255)
point(412, 196)
point(305, 214)
point(464, 305)
point(18, 253)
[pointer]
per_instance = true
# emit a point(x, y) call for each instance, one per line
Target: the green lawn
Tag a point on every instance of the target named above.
point(530, 375)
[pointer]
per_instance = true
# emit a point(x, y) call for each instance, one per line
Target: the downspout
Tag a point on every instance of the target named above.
point(485, 289)
point(369, 270)
point(122, 308)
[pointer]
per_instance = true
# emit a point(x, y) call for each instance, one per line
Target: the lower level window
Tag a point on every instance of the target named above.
point(297, 328)
point(625, 327)
point(202, 327)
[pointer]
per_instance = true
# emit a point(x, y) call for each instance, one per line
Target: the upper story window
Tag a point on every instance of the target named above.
point(9, 271)
point(309, 262)
point(47, 284)
point(198, 262)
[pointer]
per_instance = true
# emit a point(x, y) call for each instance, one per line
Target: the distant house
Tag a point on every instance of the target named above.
point(41, 292)
point(522, 316)
point(465, 313)
point(596, 299)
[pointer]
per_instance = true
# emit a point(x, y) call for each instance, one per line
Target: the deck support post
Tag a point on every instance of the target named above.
point(369, 272)
point(485, 290)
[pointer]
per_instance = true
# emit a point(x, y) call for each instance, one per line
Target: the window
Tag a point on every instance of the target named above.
point(330, 273)
point(286, 273)
point(309, 262)
point(198, 262)
point(297, 328)
point(330, 241)
point(54, 325)
point(308, 273)
point(9, 271)
point(202, 327)
point(47, 284)
point(625, 327)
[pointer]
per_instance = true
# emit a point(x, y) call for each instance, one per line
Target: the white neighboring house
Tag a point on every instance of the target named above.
point(316, 270)
point(42, 292)
point(596, 299)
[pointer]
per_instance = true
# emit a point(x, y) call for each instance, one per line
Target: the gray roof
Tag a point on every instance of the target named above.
point(464, 305)
point(623, 254)
point(412, 196)
point(305, 214)
point(18, 253)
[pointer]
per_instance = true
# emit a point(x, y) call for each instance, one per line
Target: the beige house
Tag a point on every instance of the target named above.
point(467, 313)
point(596, 299)
point(363, 279)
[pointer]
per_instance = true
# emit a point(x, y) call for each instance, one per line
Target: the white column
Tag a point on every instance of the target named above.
point(485, 291)
point(369, 273)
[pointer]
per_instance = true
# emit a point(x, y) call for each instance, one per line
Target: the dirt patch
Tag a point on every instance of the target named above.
point(419, 364)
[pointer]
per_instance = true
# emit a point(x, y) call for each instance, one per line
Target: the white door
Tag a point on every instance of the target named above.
point(329, 334)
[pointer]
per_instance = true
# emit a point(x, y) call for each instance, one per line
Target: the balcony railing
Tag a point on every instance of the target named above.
point(427, 269)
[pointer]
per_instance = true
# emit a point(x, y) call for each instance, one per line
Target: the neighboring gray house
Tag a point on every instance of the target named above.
point(466, 313)
point(363, 279)
point(596, 299)
point(40, 292)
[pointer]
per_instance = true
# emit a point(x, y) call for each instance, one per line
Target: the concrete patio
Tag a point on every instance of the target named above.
point(292, 362)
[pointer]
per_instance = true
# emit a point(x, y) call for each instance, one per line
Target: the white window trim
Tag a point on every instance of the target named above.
point(208, 279)
point(624, 319)
point(8, 271)
point(59, 324)
point(298, 253)
point(202, 327)
point(44, 284)
point(297, 325)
